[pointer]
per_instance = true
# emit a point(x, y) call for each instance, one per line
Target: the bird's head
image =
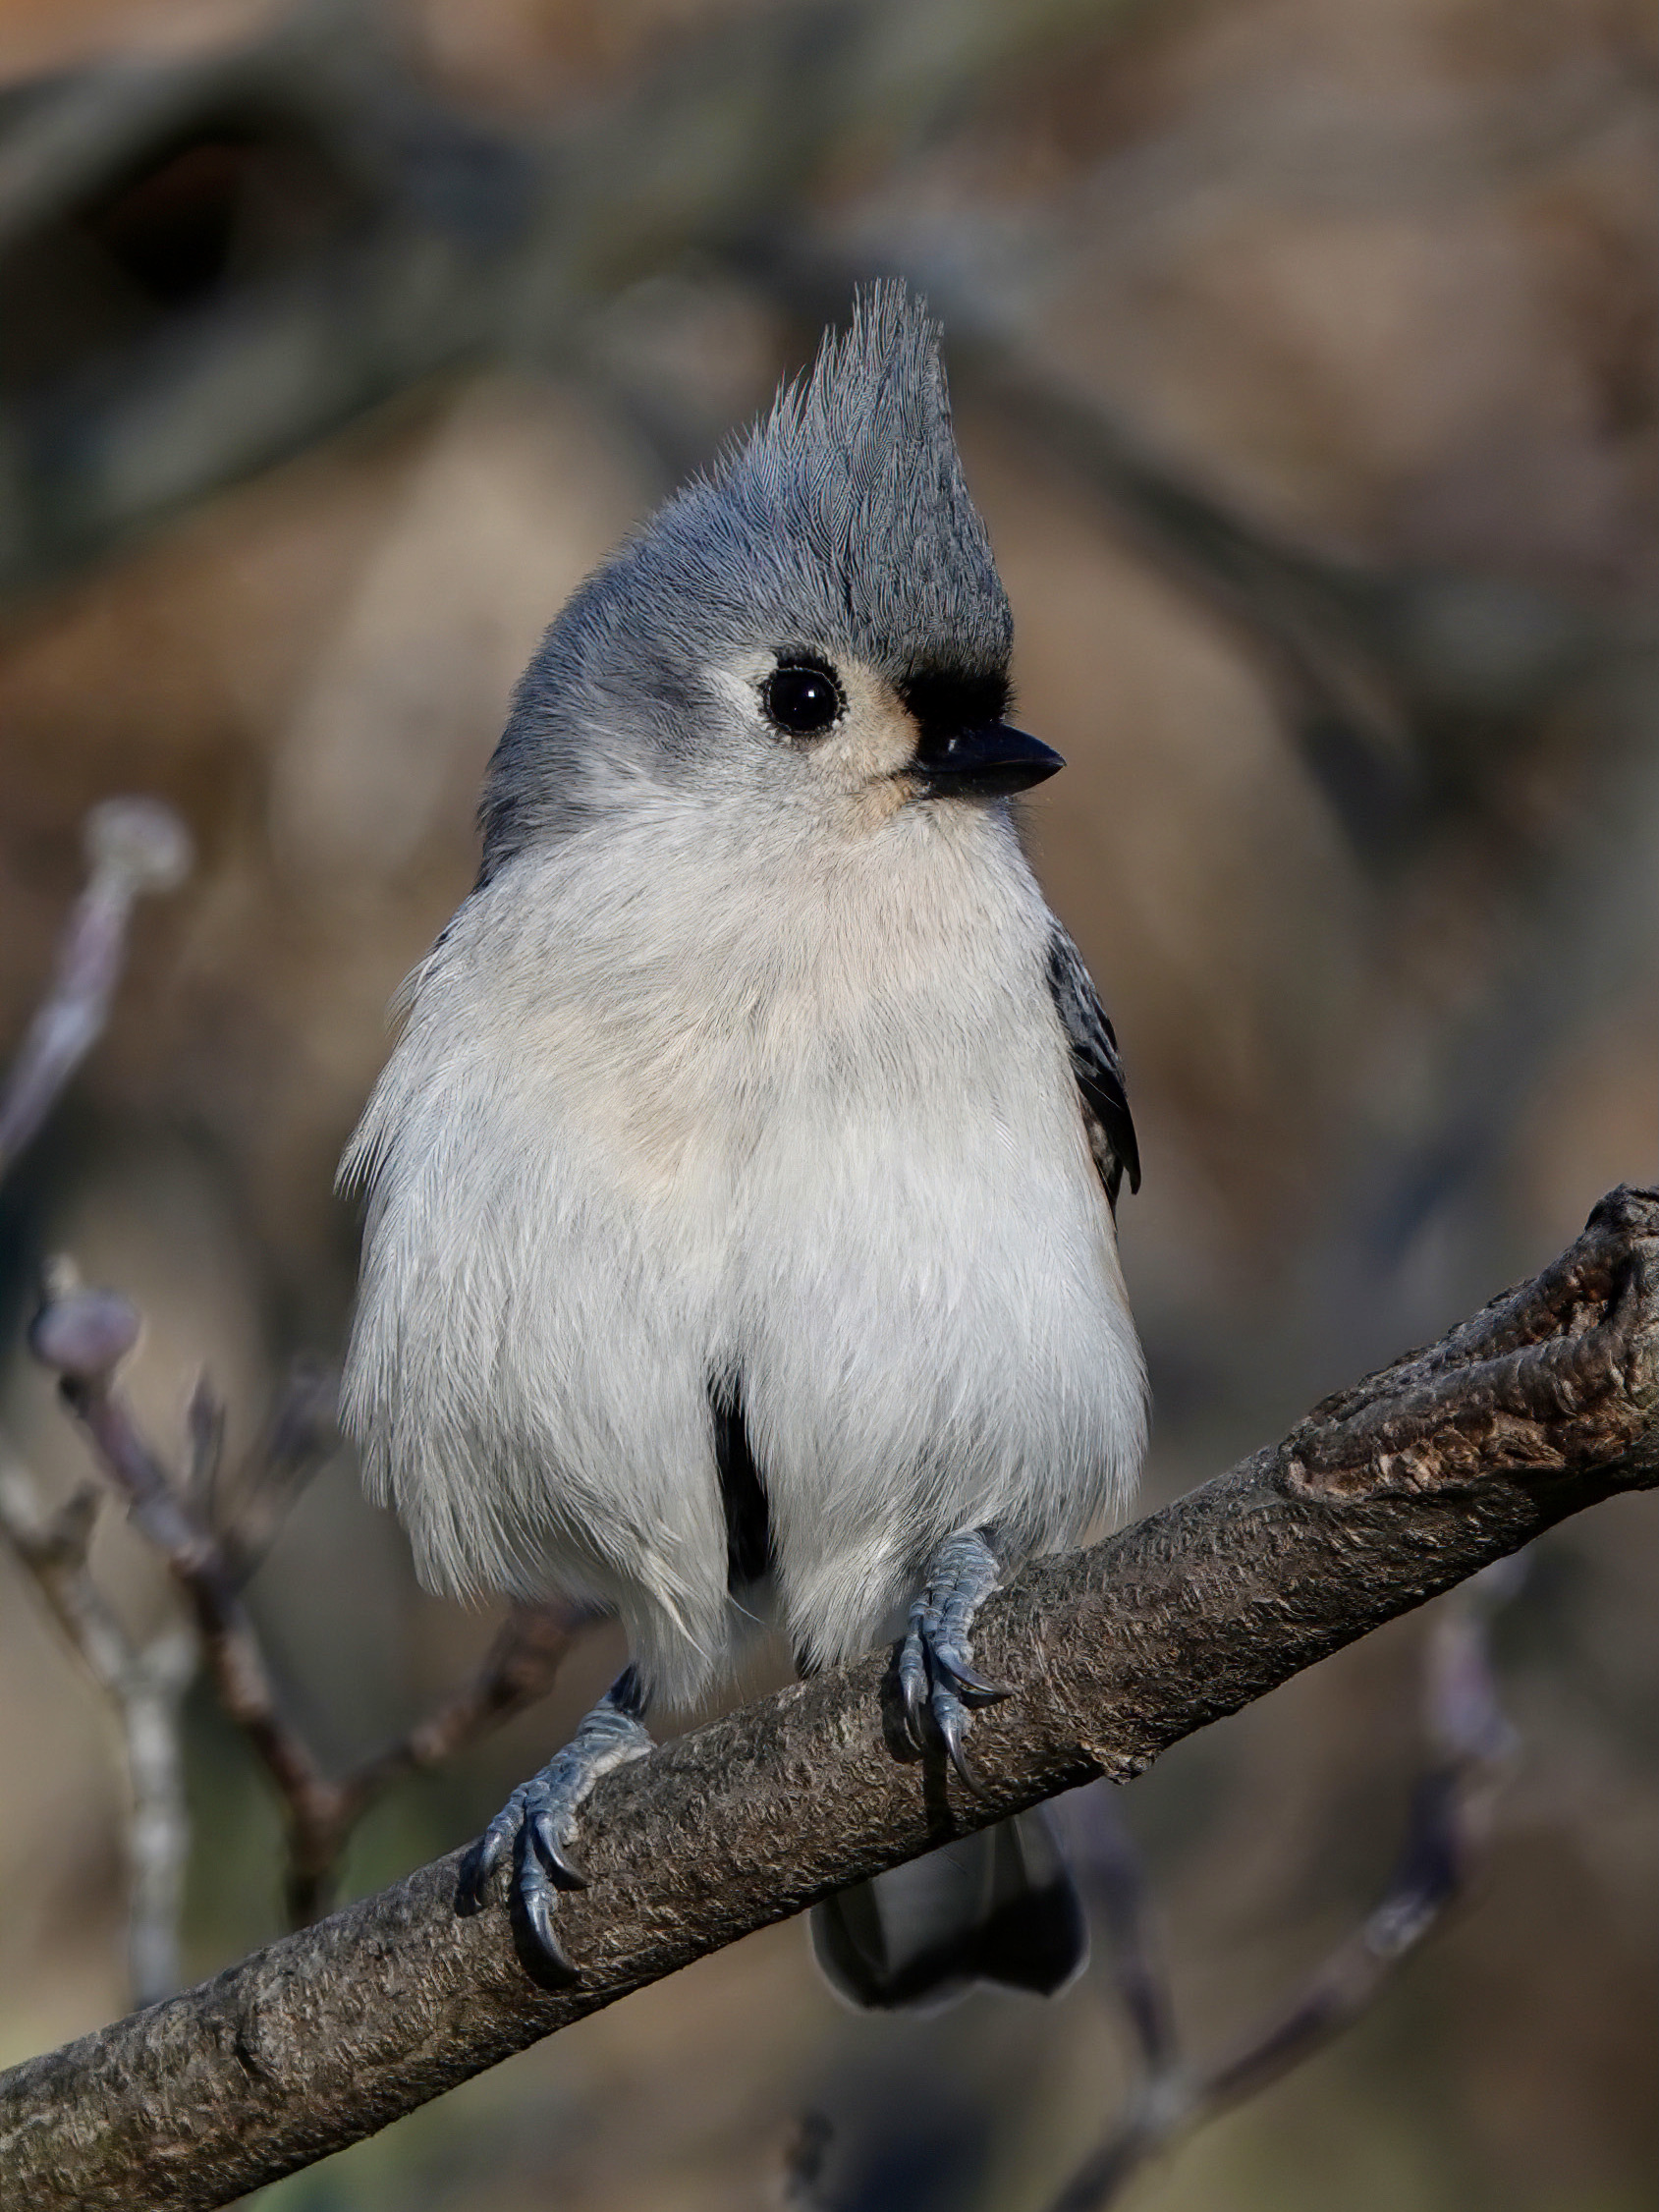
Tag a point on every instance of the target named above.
point(818, 623)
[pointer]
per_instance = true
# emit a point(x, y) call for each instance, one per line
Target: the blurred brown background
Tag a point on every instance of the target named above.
point(1303, 361)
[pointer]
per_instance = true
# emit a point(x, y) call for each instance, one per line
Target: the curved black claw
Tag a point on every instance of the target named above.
point(938, 1685)
point(535, 1828)
point(542, 1831)
point(537, 1906)
point(979, 1691)
point(486, 1855)
point(951, 1718)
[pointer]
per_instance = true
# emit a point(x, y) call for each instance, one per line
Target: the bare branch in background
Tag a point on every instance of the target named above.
point(1389, 1493)
point(144, 1689)
point(1471, 1749)
point(517, 1671)
point(83, 1336)
point(251, 1504)
point(519, 1668)
point(204, 1437)
point(1102, 1853)
point(134, 846)
point(210, 1532)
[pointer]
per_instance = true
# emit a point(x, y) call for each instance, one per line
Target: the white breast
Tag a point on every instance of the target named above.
point(698, 1098)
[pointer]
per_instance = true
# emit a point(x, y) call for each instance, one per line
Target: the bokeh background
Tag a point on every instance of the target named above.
point(1303, 361)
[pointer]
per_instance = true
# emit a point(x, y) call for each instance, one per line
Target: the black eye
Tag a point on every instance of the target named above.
point(801, 699)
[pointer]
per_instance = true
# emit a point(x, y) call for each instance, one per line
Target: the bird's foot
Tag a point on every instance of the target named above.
point(536, 1824)
point(937, 1681)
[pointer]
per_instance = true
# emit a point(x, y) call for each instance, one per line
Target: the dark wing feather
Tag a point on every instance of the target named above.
point(1096, 1066)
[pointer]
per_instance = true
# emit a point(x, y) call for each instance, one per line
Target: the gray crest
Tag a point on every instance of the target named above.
point(840, 523)
point(855, 472)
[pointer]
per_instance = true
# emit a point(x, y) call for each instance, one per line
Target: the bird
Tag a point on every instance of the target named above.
point(740, 1188)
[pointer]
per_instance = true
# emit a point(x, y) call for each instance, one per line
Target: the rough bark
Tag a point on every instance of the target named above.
point(1389, 1493)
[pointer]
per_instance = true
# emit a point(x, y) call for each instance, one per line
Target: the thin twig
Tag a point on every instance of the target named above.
point(210, 1534)
point(1102, 1855)
point(205, 1435)
point(250, 1506)
point(134, 846)
point(517, 1670)
point(144, 1689)
point(1471, 1746)
point(83, 1336)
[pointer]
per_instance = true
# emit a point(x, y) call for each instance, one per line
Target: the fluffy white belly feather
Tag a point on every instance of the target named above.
point(630, 1142)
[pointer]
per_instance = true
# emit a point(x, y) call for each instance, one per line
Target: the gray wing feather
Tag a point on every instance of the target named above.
point(1096, 1065)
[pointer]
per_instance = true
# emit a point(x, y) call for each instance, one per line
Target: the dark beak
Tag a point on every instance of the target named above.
point(989, 762)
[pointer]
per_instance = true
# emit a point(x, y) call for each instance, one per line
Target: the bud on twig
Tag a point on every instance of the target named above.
point(134, 846)
point(85, 1335)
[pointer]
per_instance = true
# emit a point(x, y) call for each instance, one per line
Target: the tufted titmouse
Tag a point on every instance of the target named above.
point(742, 1185)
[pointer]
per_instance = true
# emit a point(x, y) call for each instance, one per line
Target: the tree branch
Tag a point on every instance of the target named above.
point(1472, 1749)
point(83, 1336)
point(135, 847)
point(1389, 1493)
point(143, 1690)
point(211, 1537)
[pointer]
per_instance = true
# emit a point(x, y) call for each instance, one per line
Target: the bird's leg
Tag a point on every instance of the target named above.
point(537, 1823)
point(937, 1679)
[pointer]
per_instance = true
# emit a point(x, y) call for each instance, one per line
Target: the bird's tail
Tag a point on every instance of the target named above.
point(997, 1907)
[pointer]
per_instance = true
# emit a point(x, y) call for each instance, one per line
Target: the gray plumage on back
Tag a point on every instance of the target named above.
point(733, 1197)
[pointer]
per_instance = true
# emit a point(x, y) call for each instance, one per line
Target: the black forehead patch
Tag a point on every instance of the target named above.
point(945, 701)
